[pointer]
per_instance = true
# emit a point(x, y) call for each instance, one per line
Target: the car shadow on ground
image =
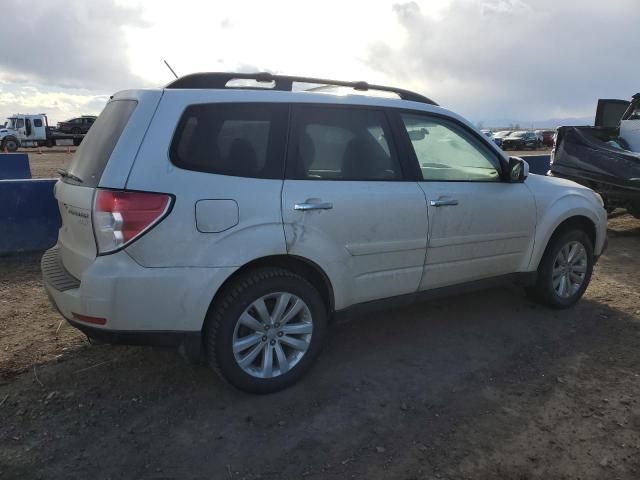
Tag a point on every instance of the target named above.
point(380, 376)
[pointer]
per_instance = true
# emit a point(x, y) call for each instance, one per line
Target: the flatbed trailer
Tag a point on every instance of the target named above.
point(32, 130)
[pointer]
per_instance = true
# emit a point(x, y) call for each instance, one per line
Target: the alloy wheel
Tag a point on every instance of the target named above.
point(272, 335)
point(569, 269)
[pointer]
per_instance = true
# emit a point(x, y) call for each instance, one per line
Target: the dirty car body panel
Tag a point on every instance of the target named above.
point(180, 199)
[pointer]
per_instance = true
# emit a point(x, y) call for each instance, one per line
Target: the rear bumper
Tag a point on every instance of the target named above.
point(190, 340)
point(150, 306)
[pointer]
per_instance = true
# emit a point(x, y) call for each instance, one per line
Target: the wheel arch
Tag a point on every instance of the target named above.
point(578, 221)
point(304, 267)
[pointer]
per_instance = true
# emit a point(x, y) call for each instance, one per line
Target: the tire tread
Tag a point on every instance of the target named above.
point(225, 300)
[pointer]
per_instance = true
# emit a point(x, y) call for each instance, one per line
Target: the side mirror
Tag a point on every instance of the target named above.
point(416, 135)
point(518, 170)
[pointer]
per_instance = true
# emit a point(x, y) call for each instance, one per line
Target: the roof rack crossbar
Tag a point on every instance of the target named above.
point(284, 83)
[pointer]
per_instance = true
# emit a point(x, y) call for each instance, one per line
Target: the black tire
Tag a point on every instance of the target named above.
point(11, 144)
point(230, 305)
point(543, 291)
point(49, 143)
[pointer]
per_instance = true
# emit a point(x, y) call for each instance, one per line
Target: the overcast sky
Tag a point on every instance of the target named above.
point(494, 61)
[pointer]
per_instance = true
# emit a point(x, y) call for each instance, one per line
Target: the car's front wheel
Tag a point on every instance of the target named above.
point(565, 270)
point(265, 330)
point(10, 144)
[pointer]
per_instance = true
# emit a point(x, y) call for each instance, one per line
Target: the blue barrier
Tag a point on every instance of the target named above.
point(538, 163)
point(29, 216)
point(14, 166)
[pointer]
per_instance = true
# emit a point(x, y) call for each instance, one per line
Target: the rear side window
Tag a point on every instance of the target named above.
point(330, 143)
point(93, 154)
point(242, 140)
point(37, 122)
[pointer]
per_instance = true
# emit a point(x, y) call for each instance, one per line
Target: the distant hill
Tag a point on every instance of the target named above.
point(550, 124)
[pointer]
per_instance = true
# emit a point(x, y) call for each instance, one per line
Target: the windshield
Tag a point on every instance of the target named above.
point(518, 134)
point(10, 123)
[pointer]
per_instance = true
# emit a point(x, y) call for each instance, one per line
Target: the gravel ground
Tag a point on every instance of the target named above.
point(47, 163)
point(482, 386)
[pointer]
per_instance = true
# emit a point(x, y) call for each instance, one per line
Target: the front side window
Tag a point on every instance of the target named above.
point(446, 152)
point(336, 143)
point(244, 140)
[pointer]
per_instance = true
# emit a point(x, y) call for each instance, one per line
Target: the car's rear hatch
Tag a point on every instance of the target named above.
point(104, 159)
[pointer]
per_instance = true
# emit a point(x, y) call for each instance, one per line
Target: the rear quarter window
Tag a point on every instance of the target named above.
point(92, 156)
point(243, 140)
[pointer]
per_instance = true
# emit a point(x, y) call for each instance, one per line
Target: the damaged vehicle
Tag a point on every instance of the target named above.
point(235, 223)
point(605, 157)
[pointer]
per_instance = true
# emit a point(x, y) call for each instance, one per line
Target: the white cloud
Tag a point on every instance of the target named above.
point(56, 104)
point(507, 59)
point(516, 59)
point(68, 43)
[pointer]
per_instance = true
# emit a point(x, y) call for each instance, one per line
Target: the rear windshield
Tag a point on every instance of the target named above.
point(91, 157)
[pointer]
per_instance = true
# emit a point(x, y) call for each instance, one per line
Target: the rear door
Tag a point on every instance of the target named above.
point(347, 205)
point(479, 226)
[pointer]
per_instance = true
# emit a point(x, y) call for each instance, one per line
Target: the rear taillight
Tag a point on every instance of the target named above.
point(119, 217)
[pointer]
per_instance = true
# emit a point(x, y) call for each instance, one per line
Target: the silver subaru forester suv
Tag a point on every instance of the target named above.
point(236, 221)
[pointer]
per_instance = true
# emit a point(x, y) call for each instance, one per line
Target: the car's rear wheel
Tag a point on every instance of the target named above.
point(565, 270)
point(265, 330)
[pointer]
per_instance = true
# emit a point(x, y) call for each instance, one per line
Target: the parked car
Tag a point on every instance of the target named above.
point(76, 125)
point(546, 137)
point(489, 134)
point(521, 141)
point(605, 157)
point(498, 137)
point(238, 222)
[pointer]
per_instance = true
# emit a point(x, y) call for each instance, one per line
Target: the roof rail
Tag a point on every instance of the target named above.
point(284, 83)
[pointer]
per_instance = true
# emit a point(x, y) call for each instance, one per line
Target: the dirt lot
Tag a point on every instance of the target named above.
point(47, 164)
point(481, 386)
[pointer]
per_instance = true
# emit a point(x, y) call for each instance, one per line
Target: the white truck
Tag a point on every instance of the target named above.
point(31, 130)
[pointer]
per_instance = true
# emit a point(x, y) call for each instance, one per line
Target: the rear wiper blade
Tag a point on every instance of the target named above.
point(66, 174)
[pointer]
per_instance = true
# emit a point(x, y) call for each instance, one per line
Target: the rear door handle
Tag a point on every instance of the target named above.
point(443, 203)
point(313, 206)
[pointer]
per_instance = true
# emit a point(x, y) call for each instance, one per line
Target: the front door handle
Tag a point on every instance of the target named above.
point(443, 203)
point(313, 206)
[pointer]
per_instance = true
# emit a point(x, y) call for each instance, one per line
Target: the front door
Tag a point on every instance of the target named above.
point(347, 206)
point(480, 226)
